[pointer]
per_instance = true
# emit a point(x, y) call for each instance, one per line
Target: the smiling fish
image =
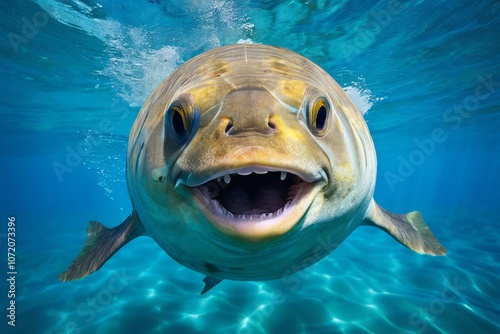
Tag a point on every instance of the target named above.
point(248, 161)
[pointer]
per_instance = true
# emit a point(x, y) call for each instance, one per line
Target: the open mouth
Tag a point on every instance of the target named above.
point(255, 201)
point(253, 196)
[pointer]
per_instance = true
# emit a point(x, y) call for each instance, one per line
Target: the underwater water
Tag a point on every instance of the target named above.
point(425, 74)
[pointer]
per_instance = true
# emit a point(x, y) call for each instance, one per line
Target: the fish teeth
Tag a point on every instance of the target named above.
point(227, 178)
point(219, 178)
point(283, 176)
point(262, 216)
point(223, 211)
point(260, 171)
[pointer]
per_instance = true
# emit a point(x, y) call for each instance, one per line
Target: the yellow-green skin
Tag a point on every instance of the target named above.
point(251, 86)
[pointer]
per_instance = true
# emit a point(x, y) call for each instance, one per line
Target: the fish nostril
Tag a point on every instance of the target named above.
point(266, 128)
point(229, 126)
point(271, 122)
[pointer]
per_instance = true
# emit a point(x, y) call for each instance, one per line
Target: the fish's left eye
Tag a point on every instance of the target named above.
point(318, 116)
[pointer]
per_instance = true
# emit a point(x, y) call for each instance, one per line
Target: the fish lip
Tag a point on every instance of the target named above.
point(310, 177)
point(251, 227)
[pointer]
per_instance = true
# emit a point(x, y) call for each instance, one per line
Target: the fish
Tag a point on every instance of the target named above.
point(247, 162)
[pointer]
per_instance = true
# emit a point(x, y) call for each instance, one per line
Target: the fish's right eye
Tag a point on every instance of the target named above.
point(179, 119)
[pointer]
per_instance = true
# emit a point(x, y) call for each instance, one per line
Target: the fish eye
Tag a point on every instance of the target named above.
point(179, 118)
point(178, 121)
point(318, 116)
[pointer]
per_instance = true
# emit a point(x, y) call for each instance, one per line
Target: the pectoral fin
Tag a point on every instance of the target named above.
point(409, 229)
point(210, 282)
point(101, 244)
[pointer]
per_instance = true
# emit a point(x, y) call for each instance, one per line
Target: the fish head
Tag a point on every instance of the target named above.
point(249, 145)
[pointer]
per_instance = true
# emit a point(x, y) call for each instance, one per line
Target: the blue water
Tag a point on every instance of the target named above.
point(425, 73)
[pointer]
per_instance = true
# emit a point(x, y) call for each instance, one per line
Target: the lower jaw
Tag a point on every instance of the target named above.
point(256, 227)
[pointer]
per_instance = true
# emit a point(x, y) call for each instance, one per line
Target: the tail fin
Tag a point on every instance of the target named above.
point(409, 229)
point(101, 244)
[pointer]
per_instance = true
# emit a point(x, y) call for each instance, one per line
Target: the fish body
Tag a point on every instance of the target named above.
point(246, 163)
